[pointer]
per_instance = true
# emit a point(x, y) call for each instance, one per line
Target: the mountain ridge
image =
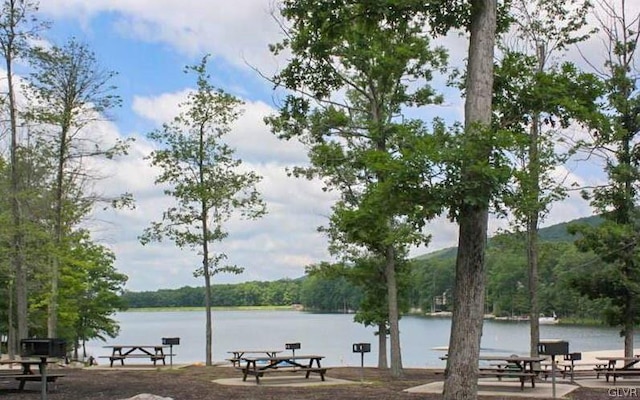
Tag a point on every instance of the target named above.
point(554, 233)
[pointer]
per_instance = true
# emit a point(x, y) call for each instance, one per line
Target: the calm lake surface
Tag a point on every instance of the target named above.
point(331, 335)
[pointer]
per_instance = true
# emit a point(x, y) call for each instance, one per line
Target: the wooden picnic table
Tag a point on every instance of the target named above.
point(514, 366)
point(258, 366)
point(611, 369)
point(238, 354)
point(26, 373)
point(121, 352)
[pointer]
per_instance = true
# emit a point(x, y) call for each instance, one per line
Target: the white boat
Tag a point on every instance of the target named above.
point(548, 320)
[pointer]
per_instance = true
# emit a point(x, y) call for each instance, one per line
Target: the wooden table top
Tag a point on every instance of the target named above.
point(284, 358)
point(512, 358)
point(144, 346)
point(618, 358)
point(507, 358)
point(254, 351)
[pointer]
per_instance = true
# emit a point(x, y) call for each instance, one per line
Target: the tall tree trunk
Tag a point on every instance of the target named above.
point(206, 268)
point(468, 306)
point(17, 253)
point(382, 346)
point(209, 319)
point(394, 315)
point(533, 218)
point(11, 331)
point(207, 294)
point(629, 328)
point(532, 260)
point(469, 292)
point(52, 314)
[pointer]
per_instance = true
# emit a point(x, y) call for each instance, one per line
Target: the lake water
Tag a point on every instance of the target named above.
point(331, 335)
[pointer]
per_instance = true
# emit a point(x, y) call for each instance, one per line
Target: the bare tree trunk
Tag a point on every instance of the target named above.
point(468, 307)
point(629, 326)
point(52, 313)
point(11, 331)
point(206, 268)
point(469, 292)
point(207, 299)
point(382, 346)
point(533, 220)
point(534, 313)
point(17, 255)
point(394, 315)
point(209, 320)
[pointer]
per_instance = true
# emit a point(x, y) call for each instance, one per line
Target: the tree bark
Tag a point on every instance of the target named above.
point(52, 314)
point(469, 292)
point(629, 326)
point(394, 315)
point(382, 346)
point(533, 221)
point(17, 246)
point(207, 296)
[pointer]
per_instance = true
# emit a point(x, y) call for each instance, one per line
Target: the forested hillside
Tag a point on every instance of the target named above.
point(431, 284)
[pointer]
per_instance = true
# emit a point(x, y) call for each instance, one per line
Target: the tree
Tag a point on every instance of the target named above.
point(616, 240)
point(70, 91)
point(95, 289)
point(204, 179)
point(90, 289)
point(349, 71)
point(534, 98)
point(472, 186)
point(18, 26)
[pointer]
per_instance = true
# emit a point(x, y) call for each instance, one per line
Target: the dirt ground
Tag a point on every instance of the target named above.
point(195, 383)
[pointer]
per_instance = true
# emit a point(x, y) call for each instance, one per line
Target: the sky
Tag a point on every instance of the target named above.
point(148, 43)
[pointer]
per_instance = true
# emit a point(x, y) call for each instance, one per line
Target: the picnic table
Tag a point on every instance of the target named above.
point(628, 367)
point(238, 354)
point(26, 373)
point(521, 367)
point(261, 365)
point(513, 366)
point(121, 352)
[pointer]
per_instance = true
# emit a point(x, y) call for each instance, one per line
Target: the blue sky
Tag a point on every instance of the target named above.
point(149, 42)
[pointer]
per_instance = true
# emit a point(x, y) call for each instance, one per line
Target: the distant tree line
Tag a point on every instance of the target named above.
point(314, 293)
point(276, 293)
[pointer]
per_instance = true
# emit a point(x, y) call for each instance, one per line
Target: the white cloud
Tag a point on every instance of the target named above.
point(239, 31)
point(250, 135)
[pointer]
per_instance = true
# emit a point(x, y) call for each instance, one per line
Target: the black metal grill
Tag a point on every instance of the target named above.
point(50, 347)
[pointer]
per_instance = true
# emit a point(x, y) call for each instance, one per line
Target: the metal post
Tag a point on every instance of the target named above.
point(553, 375)
point(43, 376)
point(362, 366)
point(171, 356)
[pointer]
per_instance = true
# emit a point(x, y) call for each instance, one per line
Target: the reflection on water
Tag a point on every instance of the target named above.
point(332, 335)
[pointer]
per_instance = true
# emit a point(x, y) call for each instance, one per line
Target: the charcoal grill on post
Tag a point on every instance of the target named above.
point(170, 341)
point(361, 348)
point(553, 348)
point(293, 347)
point(43, 348)
point(573, 357)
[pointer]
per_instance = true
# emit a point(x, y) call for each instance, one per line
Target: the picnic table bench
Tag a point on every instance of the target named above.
point(24, 378)
point(26, 374)
point(611, 370)
point(259, 366)
point(580, 369)
point(154, 353)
